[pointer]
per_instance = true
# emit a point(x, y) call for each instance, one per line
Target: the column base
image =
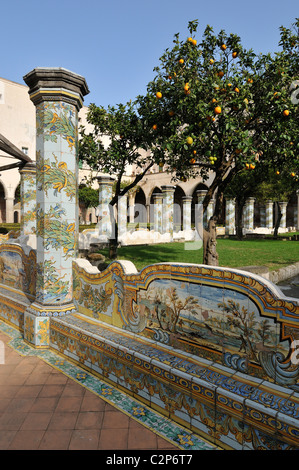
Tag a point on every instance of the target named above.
point(37, 322)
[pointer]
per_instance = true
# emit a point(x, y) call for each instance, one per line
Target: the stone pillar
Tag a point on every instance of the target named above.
point(200, 217)
point(283, 221)
point(187, 201)
point(9, 206)
point(131, 207)
point(269, 215)
point(158, 211)
point(28, 202)
point(210, 209)
point(167, 224)
point(105, 195)
point(297, 223)
point(249, 214)
point(57, 95)
point(262, 216)
point(122, 215)
point(230, 217)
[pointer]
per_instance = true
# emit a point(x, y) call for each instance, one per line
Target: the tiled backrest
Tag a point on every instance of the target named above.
point(231, 317)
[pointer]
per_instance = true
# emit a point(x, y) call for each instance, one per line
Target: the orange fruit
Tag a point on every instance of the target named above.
point(181, 61)
point(194, 42)
point(223, 47)
point(277, 172)
point(293, 173)
point(187, 92)
point(286, 112)
point(247, 166)
point(186, 87)
point(159, 94)
point(220, 74)
point(190, 39)
point(189, 140)
point(234, 54)
point(192, 161)
point(194, 152)
point(252, 166)
point(217, 110)
point(155, 127)
point(237, 90)
point(211, 61)
point(229, 84)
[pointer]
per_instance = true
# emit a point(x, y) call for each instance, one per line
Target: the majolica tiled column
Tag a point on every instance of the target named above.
point(158, 210)
point(187, 202)
point(122, 215)
point(28, 201)
point(249, 214)
point(200, 215)
point(167, 224)
point(262, 216)
point(283, 221)
point(58, 95)
point(230, 217)
point(105, 196)
point(269, 214)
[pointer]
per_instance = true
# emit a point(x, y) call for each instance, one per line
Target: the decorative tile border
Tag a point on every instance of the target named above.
point(165, 428)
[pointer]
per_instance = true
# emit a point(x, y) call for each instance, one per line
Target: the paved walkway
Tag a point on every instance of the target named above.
point(42, 408)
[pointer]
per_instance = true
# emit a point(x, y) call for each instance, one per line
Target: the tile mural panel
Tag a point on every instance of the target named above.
point(227, 316)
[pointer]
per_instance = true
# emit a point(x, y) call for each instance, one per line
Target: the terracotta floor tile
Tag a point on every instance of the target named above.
point(63, 420)
point(109, 439)
point(56, 439)
point(49, 390)
point(144, 440)
point(36, 378)
point(43, 404)
point(12, 421)
point(84, 439)
point(8, 391)
point(69, 404)
point(72, 389)
point(91, 402)
point(90, 420)
point(56, 378)
point(26, 440)
point(115, 419)
point(37, 421)
point(29, 391)
point(20, 404)
point(6, 438)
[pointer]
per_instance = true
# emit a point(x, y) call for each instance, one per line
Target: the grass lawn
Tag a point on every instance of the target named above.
point(274, 254)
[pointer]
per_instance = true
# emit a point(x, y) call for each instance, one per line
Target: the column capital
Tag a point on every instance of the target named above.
point(30, 167)
point(168, 187)
point(56, 84)
point(187, 198)
point(105, 180)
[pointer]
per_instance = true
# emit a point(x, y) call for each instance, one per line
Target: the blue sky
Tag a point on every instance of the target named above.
point(116, 44)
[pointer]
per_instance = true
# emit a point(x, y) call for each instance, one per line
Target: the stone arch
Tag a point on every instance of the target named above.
point(140, 207)
point(198, 187)
point(2, 202)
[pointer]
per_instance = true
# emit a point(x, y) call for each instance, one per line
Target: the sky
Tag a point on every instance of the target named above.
point(115, 44)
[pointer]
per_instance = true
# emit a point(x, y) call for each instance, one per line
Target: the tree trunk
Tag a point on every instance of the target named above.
point(278, 219)
point(113, 241)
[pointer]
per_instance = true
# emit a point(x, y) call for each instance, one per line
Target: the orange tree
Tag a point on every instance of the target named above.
point(215, 108)
point(114, 139)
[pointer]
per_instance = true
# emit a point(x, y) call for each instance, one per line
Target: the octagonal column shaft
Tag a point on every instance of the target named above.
point(28, 202)
point(103, 210)
point(167, 224)
point(57, 95)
